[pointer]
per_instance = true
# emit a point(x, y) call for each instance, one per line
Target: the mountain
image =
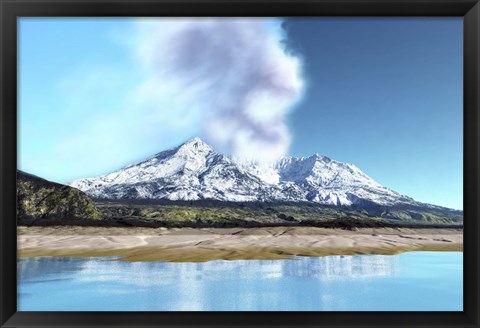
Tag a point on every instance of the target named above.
point(42, 202)
point(195, 171)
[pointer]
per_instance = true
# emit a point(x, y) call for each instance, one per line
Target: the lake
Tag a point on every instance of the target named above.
point(414, 281)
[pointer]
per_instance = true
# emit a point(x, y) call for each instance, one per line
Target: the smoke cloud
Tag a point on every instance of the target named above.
point(232, 75)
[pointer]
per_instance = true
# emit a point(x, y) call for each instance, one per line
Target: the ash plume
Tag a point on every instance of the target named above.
point(232, 75)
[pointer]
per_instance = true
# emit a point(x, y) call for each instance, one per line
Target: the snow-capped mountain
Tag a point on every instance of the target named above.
point(194, 171)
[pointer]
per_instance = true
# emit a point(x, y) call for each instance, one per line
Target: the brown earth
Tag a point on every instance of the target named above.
point(206, 244)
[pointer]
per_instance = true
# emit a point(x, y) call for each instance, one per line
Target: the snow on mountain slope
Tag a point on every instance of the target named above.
point(195, 171)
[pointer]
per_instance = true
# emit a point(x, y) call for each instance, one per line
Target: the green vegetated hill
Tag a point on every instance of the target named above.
point(41, 202)
point(223, 214)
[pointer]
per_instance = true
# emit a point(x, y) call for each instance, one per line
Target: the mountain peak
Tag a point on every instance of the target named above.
point(317, 156)
point(194, 140)
point(194, 146)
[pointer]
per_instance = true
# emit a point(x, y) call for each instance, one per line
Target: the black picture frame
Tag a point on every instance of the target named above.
point(10, 10)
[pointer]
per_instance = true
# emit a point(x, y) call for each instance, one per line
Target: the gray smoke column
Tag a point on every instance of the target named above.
point(233, 75)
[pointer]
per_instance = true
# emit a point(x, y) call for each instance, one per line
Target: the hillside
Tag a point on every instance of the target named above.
point(42, 202)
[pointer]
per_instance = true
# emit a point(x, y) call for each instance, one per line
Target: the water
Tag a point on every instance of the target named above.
point(415, 281)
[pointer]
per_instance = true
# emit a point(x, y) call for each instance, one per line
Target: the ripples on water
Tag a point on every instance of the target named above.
point(411, 281)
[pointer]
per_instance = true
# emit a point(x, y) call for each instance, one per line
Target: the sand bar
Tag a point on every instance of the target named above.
point(199, 245)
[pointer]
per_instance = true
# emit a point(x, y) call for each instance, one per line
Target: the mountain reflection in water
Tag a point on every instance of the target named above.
point(363, 282)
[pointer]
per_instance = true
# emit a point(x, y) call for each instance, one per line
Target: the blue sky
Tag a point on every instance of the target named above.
point(382, 93)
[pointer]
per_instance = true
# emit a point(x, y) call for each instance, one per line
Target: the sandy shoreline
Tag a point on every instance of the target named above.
point(198, 245)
